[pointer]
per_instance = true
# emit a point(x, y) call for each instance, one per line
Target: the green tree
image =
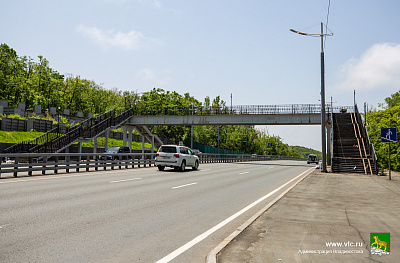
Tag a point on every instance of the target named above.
point(389, 118)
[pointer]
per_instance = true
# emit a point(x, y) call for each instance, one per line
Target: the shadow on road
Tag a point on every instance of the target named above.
point(277, 164)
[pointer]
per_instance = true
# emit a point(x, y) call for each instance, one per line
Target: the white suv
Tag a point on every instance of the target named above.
point(177, 157)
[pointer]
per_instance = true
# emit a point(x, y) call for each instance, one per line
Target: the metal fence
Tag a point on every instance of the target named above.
point(41, 164)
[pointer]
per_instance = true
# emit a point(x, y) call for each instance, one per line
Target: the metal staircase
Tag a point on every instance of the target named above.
point(352, 150)
point(58, 139)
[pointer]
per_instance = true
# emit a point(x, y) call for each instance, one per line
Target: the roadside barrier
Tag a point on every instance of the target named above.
point(54, 163)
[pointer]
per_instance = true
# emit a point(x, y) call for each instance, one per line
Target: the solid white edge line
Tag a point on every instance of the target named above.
point(180, 186)
point(212, 256)
point(55, 176)
point(201, 237)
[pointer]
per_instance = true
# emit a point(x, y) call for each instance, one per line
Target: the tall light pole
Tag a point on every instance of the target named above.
point(323, 121)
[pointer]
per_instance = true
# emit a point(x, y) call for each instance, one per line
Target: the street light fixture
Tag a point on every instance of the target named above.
point(323, 135)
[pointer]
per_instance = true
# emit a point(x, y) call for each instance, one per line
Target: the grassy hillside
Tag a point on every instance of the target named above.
point(304, 151)
point(15, 137)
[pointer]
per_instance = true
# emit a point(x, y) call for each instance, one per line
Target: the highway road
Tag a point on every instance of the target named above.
point(134, 215)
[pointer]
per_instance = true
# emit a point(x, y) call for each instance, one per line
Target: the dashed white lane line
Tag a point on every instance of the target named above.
point(245, 173)
point(126, 180)
point(180, 186)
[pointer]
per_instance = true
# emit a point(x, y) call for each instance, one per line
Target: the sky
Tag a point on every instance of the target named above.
point(218, 48)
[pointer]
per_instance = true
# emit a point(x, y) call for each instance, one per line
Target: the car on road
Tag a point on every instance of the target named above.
point(177, 157)
point(312, 158)
point(196, 152)
point(122, 149)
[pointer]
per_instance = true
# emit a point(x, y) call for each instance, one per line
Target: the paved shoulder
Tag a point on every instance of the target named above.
point(325, 218)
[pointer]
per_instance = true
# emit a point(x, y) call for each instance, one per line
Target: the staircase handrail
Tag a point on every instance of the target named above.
point(365, 134)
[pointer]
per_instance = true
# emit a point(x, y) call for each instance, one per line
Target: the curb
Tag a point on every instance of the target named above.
point(212, 256)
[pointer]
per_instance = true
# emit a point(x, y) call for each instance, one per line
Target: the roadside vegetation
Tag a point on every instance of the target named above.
point(387, 117)
point(15, 137)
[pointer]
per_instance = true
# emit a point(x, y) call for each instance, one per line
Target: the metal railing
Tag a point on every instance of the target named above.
point(245, 109)
point(364, 132)
point(58, 138)
point(40, 164)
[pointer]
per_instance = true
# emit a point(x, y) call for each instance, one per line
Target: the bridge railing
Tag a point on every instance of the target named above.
point(28, 164)
point(244, 109)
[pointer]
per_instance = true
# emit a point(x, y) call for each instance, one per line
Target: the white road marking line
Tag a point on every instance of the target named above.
point(204, 170)
point(3, 226)
point(212, 256)
point(201, 237)
point(43, 178)
point(53, 176)
point(180, 186)
point(245, 173)
point(125, 180)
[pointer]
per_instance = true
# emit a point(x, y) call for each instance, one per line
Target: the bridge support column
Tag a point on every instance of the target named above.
point(80, 150)
point(107, 135)
point(124, 135)
point(329, 144)
point(95, 145)
point(143, 140)
point(152, 146)
point(127, 132)
point(130, 136)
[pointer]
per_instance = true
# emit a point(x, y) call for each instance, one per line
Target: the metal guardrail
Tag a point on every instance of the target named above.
point(39, 164)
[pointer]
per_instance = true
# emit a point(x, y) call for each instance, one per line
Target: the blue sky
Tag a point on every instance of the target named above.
point(215, 48)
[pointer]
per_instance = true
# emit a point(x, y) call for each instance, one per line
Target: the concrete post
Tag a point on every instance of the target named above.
point(328, 144)
point(130, 136)
point(95, 145)
point(124, 135)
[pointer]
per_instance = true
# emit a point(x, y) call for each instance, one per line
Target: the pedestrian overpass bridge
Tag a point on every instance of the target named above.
point(296, 114)
point(349, 135)
point(140, 119)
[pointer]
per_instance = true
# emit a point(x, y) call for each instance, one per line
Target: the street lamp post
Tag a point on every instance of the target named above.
point(323, 121)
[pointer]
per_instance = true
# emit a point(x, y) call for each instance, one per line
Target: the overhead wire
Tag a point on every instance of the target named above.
point(327, 21)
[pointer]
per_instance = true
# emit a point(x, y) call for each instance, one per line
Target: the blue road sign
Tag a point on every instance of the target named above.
point(270, 144)
point(389, 135)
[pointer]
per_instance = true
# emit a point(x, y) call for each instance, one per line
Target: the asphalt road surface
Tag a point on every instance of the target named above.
point(134, 215)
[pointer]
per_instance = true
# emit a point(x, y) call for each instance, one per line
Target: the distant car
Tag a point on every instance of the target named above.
point(312, 158)
point(122, 149)
point(178, 157)
point(196, 152)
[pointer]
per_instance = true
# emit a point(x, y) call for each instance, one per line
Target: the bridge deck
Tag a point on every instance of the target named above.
point(296, 114)
point(245, 119)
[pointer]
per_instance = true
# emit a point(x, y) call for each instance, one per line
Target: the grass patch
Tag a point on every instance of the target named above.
point(16, 137)
point(115, 143)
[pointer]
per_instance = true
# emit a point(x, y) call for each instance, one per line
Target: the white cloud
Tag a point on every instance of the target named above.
point(377, 69)
point(154, 3)
point(132, 40)
point(153, 78)
point(119, 2)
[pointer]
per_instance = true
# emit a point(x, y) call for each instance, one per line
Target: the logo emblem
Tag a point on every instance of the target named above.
point(380, 244)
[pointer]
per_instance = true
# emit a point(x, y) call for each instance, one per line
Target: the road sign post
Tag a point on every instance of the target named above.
point(389, 135)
